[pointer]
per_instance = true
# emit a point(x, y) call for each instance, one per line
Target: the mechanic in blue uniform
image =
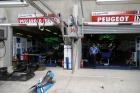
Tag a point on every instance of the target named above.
point(93, 51)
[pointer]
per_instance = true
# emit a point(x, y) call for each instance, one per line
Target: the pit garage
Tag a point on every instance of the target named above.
point(118, 46)
point(46, 42)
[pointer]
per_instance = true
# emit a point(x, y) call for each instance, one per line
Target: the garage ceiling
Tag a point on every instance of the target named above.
point(119, 37)
point(36, 33)
point(122, 32)
point(91, 32)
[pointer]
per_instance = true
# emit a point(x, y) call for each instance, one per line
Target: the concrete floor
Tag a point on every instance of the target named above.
point(81, 81)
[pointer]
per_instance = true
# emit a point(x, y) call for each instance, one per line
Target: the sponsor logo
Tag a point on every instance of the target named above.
point(99, 13)
point(36, 20)
point(137, 18)
point(29, 15)
point(113, 19)
point(72, 30)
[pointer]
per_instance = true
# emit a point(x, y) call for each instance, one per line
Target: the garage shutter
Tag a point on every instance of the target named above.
point(119, 29)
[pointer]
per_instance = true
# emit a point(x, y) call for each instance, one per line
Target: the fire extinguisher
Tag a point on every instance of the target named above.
point(62, 63)
point(82, 63)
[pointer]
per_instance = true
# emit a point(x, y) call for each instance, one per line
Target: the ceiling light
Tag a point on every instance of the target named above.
point(29, 35)
point(3, 24)
point(117, 1)
point(19, 33)
point(48, 30)
point(41, 28)
point(13, 3)
point(101, 23)
point(60, 35)
point(55, 33)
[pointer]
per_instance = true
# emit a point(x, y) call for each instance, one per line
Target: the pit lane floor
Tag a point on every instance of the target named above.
point(81, 81)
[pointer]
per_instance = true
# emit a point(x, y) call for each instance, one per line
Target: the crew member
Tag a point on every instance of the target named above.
point(93, 51)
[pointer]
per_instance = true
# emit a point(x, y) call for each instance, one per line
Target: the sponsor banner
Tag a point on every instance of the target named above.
point(116, 18)
point(116, 12)
point(72, 31)
point(34, 19)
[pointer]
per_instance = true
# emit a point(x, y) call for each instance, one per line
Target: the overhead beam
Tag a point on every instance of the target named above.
point(43, 12)
point(118, 1)
point(47, 6)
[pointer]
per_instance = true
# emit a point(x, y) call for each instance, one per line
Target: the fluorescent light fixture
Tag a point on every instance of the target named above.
point(55, 33)
point(3, 24)
point(29, 35)
point(101, 23)
point(117, 1)
point(48, 30)
point(111, 23)
point(13, 3)
point(19, 33)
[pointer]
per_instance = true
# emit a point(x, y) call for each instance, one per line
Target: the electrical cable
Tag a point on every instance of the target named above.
point(42, 11)
point(75, 25)
point(67, 84)
point(3, 46)
point(44, 22)
point(72, 71)
point(36, 19)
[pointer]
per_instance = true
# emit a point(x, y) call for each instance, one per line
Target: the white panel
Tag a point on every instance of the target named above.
point(13, 3)
point(2, 12)
point(75, 11)
point(117, 1)
point(14, 46)
point(67, 54)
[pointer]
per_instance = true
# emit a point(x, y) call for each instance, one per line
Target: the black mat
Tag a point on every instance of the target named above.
point(18, 76)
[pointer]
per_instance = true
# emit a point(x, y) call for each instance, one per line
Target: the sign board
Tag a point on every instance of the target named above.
point(116, 16)
point(72, 31)
point(34, 19)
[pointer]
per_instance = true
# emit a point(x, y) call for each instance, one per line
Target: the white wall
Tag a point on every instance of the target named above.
point(6, 61)
point(64, 7)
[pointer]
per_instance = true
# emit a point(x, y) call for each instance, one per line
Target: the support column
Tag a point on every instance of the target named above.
point(77, 54)
point(76, 45)
point(6, 50)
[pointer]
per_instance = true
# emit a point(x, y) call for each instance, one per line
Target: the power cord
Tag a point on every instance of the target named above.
point(3, 46)
point(39, 27)
point(36, 19)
